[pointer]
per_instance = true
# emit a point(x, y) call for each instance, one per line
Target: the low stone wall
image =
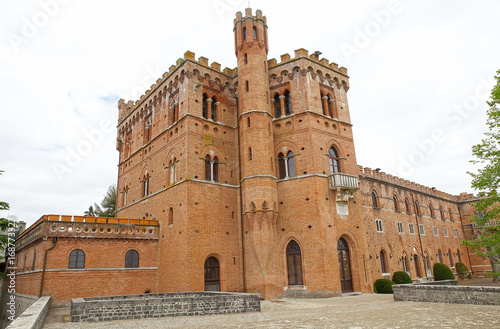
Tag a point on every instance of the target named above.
point(447, 294)
point(162, 305)
point(34, 316)
point(439, 283)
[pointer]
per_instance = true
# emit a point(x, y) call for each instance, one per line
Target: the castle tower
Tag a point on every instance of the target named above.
point(258, 178)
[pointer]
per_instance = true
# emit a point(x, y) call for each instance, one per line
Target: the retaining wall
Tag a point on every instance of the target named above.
point(161, 305)
point(447, 294)
point(34, 316)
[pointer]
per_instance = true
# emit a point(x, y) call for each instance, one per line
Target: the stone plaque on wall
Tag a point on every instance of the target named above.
point(342, 209)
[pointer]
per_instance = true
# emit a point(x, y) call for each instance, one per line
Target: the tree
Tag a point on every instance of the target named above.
point(487, 180)
point(108, 204)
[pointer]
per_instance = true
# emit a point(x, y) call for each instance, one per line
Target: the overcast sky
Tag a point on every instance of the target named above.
point(420, 73)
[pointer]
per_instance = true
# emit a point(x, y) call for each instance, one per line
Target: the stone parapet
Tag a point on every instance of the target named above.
point(447, 294)
point(162, 305)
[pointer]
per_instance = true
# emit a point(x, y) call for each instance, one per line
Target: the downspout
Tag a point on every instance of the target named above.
point(243, 270)
point(463, 237)
point(54, 241)
point(419, 236)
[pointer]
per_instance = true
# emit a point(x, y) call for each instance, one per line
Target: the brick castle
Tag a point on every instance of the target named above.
point(245, 180)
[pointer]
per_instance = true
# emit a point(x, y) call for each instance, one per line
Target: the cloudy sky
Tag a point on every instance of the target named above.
point(420, 72)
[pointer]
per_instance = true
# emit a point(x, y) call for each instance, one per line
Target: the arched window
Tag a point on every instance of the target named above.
point(294, 263)
point(323, 103)
point(395, 201)
point(255, 33)
point(205, 106)
point(244, 33)
point(440, 255)
point(76, 259)
point(208, 169)
point(374, 200)
point(407, 206)
point(281, 166)
point(246, 59)
point(441, 213)
point(291, 164)
point(332, 109)
point(431, 210)
point(170, 216)
point(212, 274)
point(449, 214)
point(288, 103)
point(277, 106)
point(172, 165)
point(145, 183)
point(211, 169)
point(458, 255)
point(214, 109)
point(383, 263)
point(417, 209)
point(215, 171)
point(132, 259)
point(333, 160)
point(450, 256)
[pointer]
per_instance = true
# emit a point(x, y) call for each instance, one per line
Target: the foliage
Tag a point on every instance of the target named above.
point(401, 277)
point(442, 272)
point(108, 205)
point(487, 180)
point(383, 286)
point(462, 270)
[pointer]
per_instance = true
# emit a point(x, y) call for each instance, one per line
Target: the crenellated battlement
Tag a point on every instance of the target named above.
point(125, 108)
point(303, 53)
point(382, 176)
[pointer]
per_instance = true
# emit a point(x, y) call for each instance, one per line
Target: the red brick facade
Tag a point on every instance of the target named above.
point(255, 167)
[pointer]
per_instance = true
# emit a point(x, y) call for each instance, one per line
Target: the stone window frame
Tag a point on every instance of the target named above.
point(379, 226)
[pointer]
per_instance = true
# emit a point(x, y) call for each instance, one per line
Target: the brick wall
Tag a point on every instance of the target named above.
point(447, 294)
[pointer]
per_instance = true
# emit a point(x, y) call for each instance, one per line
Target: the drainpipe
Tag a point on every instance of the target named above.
point(419, 237)
point(54, 241)
point(463, 237)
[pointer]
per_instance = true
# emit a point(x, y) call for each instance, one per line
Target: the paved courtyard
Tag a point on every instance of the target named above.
point(361, 311)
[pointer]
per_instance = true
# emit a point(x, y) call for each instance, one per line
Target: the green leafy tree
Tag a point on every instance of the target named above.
point(107, 207)
point(487, 180)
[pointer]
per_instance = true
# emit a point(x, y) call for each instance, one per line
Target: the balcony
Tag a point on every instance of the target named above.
point(345, 185)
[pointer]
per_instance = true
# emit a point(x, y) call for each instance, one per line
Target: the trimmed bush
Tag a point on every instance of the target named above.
point(401, 277)
point(462, 270)
point(442, 272)
point(383, 286)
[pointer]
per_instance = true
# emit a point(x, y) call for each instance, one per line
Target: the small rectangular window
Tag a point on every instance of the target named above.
point(421, 229)
point(400, 228)
point(436, 232)
point(460, 232)
point(412, 228)
point(378, 223)
point(445, 232)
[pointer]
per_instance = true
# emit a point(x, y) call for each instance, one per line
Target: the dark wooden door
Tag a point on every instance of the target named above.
point(344, 266)
point(294, 264)
point(212, 277)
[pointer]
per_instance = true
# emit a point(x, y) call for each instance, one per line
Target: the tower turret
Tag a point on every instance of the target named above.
point(259, 191)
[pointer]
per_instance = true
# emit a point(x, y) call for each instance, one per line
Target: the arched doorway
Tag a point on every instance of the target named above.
point(212, 278)
point(294, 264)
point(344, 266)
point(417, 268)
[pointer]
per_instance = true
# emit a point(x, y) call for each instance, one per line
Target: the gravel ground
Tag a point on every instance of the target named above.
point(354, 312)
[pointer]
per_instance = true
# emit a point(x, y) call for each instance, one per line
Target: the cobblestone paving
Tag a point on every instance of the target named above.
point(350, 312)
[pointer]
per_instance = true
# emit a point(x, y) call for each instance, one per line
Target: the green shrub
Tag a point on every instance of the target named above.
point(442, 272)
point(401, 277)
point(383, 286)
point(462, 270)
